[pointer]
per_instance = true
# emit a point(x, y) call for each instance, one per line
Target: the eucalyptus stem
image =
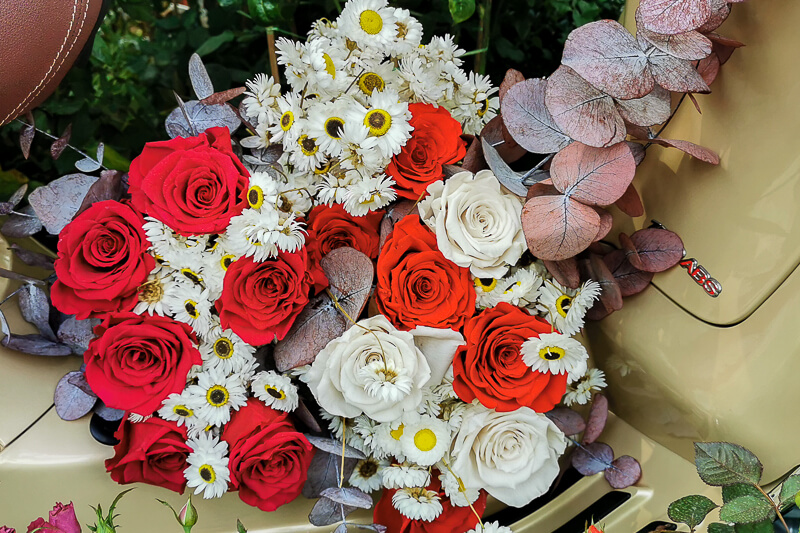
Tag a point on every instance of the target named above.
point(50, 135)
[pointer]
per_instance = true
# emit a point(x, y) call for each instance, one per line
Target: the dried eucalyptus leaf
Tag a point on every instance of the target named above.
point(651, 109)
point(57, 203)
point(349, 496)
point(26, 139)
point(78, 379)
point(676, 75)
point(323, 473)
point(511, 78)
point(36, 344)
point(265, 156)
point(58, 146)
point(593, 458)
point(335, 447)
point(34, 259)
point(35, 307)
point(19, 277)
point(558, 227)
point(341, 528)
point(71, 401)
point(691, 45)
point(201, 81)
point(110, 186)
point(611, 293)
point(497, 135)
point(593, 176)
point(87, 164)
point(653, 249)
point(77, 333)
point(304, 415)
point(473, 161)
point(624, 472)
point(18, 195)
point(101, 150)
point(630, 202)
point(326, 512)
point(108, 414)
point(673, 16)
point(508, 178)
point(176, 130)
point(565, 272)
point(223, 96)
point(694, 150)
point(570, 422)
point(528, 121)
point(596, 422)
point(630, 279)
point(606, 223)
point(203, 117)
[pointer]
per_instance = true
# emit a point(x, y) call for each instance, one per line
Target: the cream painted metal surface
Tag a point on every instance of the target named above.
point(738, 219)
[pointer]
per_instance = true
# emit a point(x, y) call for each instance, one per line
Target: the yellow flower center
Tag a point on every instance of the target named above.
point(334, 127)
point(208, 474)
point(323, 168)
point(182, 410)
point(563, 304)
point(397, 433)
point(151, 292)
point(369, 81)
point(425, 440)
point(223, 348)
point(378, 121)
point(255, 196)
point(217, 396)
point(275, 392)
point(191, 308)
point(287, 119)
point(370, 21)
point(484, 107)
point(191, 275)
point(552, 353)
point(307, 145)
point(510, 289)
point(227, 261)
point(485, 284)
point(330, 68)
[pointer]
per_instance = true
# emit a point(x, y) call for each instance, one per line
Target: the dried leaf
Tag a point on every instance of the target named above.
point(35, 307)
point(630, 279)
point(606, 223)
point(716, 38)
point(72, 402)
point(19, 226)
point(36, 344)
point(26, 139)
point(695, 102)
point(593, 458)
point(720, 9)
point(57, 203)
point(201, 81)
point(474, 160)
point(638, 152)
point(34, 259)
point(8, 274)
point(674, 16)
point(624, 472)
point(570, 422)
point(110, 186)
point(350, 496)
point(495, 133)
point(78, 379)
point(708, 68)
point(395, 214)
point(202, 117)
point(543, 188)
point(691, 45)
point(606, 55)
point(653, 249)
point(511, 78)
point(649, 110)
point(593, 176)
point(107, 413)
point(335, 447)
point(326, 512)
point(630, 202)
point(558, 227)
point(596, 422)
point(581, 111)
point(316, 325)
point(223, 96)
point(58, 146)
point(565, 272)
point(18, 195)
point(77, 333)
point(265, 156)
point(676, 75)
point(304, 415)
point(341, 528)
point(87, 164)
point(694, 150)
point(508, 178)
point(723, 52)
point(323, 473)
point(528, 121)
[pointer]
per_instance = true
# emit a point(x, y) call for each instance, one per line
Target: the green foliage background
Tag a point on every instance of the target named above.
point(123, 92)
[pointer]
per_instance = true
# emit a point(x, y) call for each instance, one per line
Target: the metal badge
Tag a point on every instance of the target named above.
point(696, 271)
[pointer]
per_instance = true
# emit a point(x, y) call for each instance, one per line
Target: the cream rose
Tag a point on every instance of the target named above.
point(513, 456)
point(477, 224)
point(380, 372)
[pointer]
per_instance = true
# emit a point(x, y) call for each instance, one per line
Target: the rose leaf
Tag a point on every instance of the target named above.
point(596, 421)
point(593, 458)
point(673, 16)
point(606, 55)
point(57, 203)
point(651, 109)
point(510, 179)
point(335, 447)
point(704, 154)
point(528, 121)
point(35, 307)
point(630, 279)
point(565, 272)
point(624, 472)
point(323, 473)
point(350, 496)
point(653, 249)
point(593, 176)
point(326, 512)
point(558, 227)
point(690, 510)
point(581, 111)
point(511, 78)
point(570, 422)
point(72, 401)
point(36, 344)
point(201, 81)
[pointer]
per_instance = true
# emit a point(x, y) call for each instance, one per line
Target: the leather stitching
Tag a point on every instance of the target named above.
point(54, 69)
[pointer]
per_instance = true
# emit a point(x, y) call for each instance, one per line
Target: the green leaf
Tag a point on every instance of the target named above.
point(264, 12)
point(723, 463)
point(690, 510)
point(747, 509)
point(240, 527)
point(719, 527)
point(759, 527)
point(212, 43)
point(461, 10)
point(737, 490)
point(790, 490)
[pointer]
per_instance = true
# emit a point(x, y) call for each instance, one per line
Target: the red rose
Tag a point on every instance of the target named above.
point(490, 367)
point(135, 361)
point(62, 519)
point(268, 459)
point(260, 301)
point(102, 261)
point(331, 227)
point(452, 520)
point(435, 141)
point(193, 185)
point(153, 451)
point(417, 285)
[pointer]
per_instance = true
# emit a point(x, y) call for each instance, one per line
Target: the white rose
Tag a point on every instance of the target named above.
point(477, 224)
point(513, 456)
point(374, 369)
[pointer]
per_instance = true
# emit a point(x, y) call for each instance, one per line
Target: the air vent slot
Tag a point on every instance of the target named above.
point(653, 526)
point(595, 512)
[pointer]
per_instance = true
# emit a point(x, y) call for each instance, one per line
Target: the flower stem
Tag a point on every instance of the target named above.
point(774, 506)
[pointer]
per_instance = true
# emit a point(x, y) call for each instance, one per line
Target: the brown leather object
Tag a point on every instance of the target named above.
point(39, 42)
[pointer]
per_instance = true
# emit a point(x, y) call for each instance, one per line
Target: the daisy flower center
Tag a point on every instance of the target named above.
point(207, 473)
point(191, 275)
point(368, 469)
point(255, 197)
point(223, 348)
point(425, 440)
point(402, 30)
point(552, 353)
point(486, 284)
point(370, 21)
point(510, 289)
point(330, 68)
point(484, 107)
point(369, 81)
point(191, 308)
point(151, 292)
point(182, 410)
point(397, 433)
point(307, 145)
point(226, 261)
point(323, 168)
point(217, 396)
point(563, 305)
point(275, 393)
point(334, 127)
point(378, 121)
point(287, 119)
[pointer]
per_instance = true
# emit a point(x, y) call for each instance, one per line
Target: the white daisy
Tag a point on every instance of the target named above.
point(443, 48)
point(190, 304)
point(417, 503)
point(176, 409)
point(369, 194)
point(420, 80)
point(326, 122)
point(593, 381)
point(263, 189)
point(409, 32)
point(261, 233)
point(375, 77)
point(225, 351)
point(260, 102)
point(171, 247)
point(154, 292)
point(386, 119)
point(366, 428)
point(564, 307)
point(215, 395)
point(286, 130)
point(425, 442)
point(275, 390)
point(555, 353)
point(367, 474)
point(322, 28)
point(305, 152)
point(370, 23)
point(404, 475)
point(333, 188)
point(133, 417)
point(383, 380)
point(296, 194)
point(491, 527)
point(208, 466)
point(452, 488)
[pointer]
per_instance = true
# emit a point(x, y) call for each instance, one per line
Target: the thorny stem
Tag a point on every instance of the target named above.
point(774, 506)
point(87, 156)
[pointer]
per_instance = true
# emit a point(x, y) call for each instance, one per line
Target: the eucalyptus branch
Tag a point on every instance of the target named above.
point(53, 137)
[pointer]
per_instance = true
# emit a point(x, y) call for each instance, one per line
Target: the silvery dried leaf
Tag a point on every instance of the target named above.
point(201, 81)
point(508, 178)
point(323, 473)
point(18, 195)
point(378, 528)
point(349, 496)
point(35, 307)
point(326, 512)
point(107, 413)
point(335, 447)
point(21, 225)
point(72, 401)
point(57, 203)
point(77, 333)
point(87, 164)
point(36, 344)
point(176, 130)
point(203, 117)
point(19, 277)
point(265, 156)
point(58, 146)
point(341, 528)
point(26, 139)
point(110, 186)
point(101, 149)
point(4, 325)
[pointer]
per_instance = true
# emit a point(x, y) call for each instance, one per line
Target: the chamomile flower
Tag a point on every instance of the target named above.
point(409, 32)
point(275, 390)
point(286, 129)
point(215, 394)
point(333, 187)
point(322, 28)
point(176, 409)
point(555, 353)
point(260, 102)
point(153, 293)
point(382, 380)
point(369, 194)
point(564, 307)
point(491, 527)
point(420, 80)
point(190, 304)
point(225, 351)
point(581, 393)
point(263, 189)
point(305, 152)
point(295, 194)
point(444, 48)
point(358, 151)
point(417, 503)
point(169, 246)
point(326, 123)
point(404, 475)
point(367, 474)
point(208, 466)
point(452, 488)
point(369, 23)
point(133, 417)
point(366, 428)
point(261, 234)
point(386, 119)
point(375, 77)
point(425, 442)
